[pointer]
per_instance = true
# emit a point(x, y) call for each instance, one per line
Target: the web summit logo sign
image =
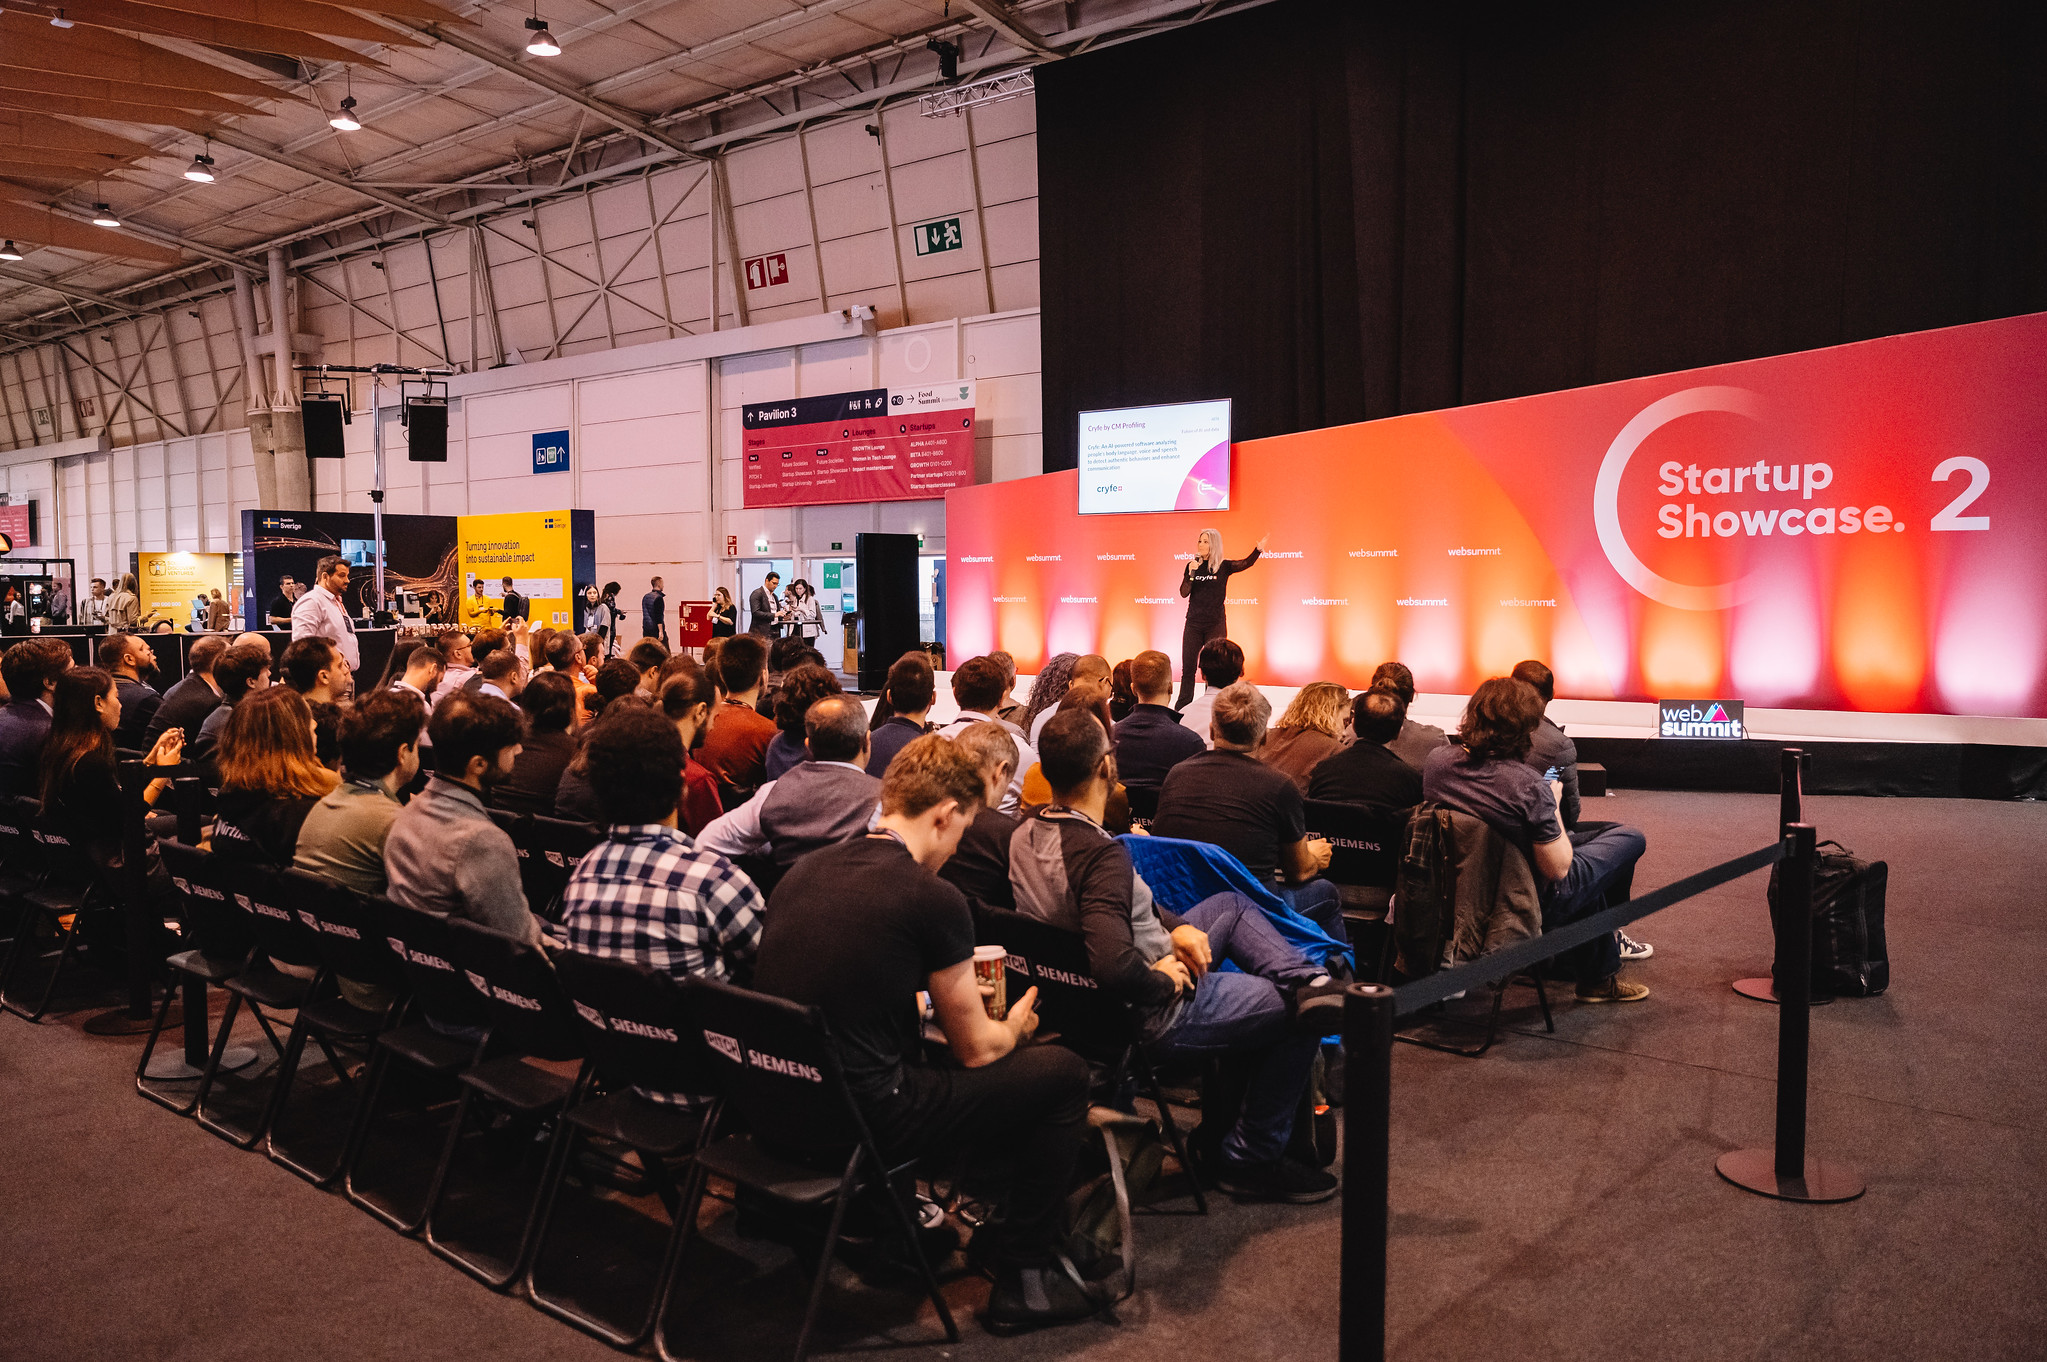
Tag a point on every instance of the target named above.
point(1700, 719)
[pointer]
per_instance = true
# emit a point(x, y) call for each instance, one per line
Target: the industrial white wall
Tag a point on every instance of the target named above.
point(645, 426)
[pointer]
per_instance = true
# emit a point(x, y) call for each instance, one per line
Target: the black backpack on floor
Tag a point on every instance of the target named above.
point(1849, 958)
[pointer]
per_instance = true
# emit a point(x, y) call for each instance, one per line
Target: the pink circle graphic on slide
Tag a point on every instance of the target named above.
point(1207, 487)
point(1606, 495)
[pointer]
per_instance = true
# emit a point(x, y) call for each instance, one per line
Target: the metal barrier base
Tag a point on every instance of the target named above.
point(1755, 1170)
point(1764, 990)
point(170, 1066)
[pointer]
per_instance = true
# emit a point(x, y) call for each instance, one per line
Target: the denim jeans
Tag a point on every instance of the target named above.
point(1243, 1013)
point(1602, 873)
point(1320, 902)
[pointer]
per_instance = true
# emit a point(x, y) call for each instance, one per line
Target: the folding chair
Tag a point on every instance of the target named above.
point(423, 945)
point(530, 1019)
point(1364, 863)
point(69, 887)
point(1144, 804)
point(218, 947)
point(1076, 1013)
point(280, 937)
point(777, 1069)
point(548, 855)
point(637, 1025)
point(348, 946)
point(20, 868)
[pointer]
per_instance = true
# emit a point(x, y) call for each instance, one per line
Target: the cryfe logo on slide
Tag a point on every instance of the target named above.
point(1700, 719)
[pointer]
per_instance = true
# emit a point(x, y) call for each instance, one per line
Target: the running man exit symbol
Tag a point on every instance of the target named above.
point(933, 237)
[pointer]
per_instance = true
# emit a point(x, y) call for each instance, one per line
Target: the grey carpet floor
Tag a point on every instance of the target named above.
point(1555, 1199)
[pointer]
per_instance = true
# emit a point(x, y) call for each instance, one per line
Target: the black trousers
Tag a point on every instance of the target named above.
point(1192, 635)
point(1030, 1105)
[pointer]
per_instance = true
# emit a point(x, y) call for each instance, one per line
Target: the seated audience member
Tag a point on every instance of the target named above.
point(736, 749)
point(1069, 871)
point(615, 678)
point(499, 675)
point(1489, 777)
point(803, 686)
point(1009, 709)
point(1229, 799)
point(575, 799)
point(784, 656)
point(342, 838)
point(977, 689)
point(1311, 729)
point(1122, 691)
point(132, 664)
point(1155, 738)
point(689, 701)
point(647, 656)
point(30, 669)
point(243, 670)
point(444, 854)
point(908, 693)
point(270, 775)
point(1221, 664)
point(80, 787)
point(645, 893)
point(1090, 697)
point(1367, 773)
point(1549, 749)
point(313, 667)
point(1416, 740)
point(816, 803)
point(459, 656)
point(487, 642)
point(979, 867)
point(857, 928)
point(1061, 674)
point(187, 704)
point(549, 702)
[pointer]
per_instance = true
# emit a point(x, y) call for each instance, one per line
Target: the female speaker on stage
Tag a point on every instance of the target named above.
point(1205, 584)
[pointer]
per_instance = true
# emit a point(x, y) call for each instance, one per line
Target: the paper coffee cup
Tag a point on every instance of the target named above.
point(989, 969)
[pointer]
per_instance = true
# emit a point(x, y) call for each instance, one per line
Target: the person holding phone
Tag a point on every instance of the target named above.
point(79, 786)
point(1205, 584)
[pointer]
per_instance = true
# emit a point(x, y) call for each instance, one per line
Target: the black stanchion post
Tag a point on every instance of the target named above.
point(1367, 1142)
point(1786, 1171)
point(1793, 765)
point(138, 940)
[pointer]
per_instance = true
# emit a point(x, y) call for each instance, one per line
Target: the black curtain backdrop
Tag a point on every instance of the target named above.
point(1334, 212)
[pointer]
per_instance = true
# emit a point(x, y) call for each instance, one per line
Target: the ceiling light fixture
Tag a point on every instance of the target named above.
point(8, 252)
point(59, 21)
point(543, 44)
point(103, 216)
point(201, 169)
point(345, 120)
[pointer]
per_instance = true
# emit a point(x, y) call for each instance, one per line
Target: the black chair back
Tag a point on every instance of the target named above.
point(212, 922)
point(279, 931)
point(775, 1064)
point(1144, 803)
point(18, 848)
point(1070, 1002)
point(1364, 845)
point(425, 951)
point(529, 1013)
point(549, 851)
point(637, 1024)
point(345, 934)
point(64, 856)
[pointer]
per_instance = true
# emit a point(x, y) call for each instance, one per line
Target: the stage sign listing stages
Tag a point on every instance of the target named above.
point(879, 444)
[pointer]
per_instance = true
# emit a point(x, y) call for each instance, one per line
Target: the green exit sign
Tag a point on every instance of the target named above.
point(933, 237)
point(837, 545)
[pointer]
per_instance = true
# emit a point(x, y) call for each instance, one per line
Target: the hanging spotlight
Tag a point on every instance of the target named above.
point(201, 171)
point(7, 252)
point(345, 120)
point(60, 21)
point(543, 44)
point(103, 216)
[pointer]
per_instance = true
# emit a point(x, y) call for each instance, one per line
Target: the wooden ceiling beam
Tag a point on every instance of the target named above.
point(84, 161)
point(420, 10)
point(152, 115)
point(32, 82)
point(303, 16)
point(126, 16)
point(27, 41)
point(21, 129)
point(26, 224)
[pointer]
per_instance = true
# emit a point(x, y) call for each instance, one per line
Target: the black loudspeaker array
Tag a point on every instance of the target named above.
point(888, 603)
point(426, 430)
point(323, 411)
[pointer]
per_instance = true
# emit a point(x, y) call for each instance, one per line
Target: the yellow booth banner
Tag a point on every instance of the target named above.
point(169, 582)
point(533, 548)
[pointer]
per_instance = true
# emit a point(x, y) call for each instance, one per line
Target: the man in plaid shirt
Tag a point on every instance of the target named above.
point(646, 893)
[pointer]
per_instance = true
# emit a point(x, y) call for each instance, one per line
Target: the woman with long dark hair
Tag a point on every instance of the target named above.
point(79, 784)
point(1205, 584)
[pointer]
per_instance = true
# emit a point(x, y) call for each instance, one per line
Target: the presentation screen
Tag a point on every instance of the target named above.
point(1170, 458)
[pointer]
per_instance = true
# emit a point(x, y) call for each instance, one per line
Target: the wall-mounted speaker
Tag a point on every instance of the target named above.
point(426, 432)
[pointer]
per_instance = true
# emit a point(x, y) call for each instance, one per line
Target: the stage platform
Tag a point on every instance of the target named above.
point(1949, 756)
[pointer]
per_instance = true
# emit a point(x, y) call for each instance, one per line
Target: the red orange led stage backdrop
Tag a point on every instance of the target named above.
point(1862, 527)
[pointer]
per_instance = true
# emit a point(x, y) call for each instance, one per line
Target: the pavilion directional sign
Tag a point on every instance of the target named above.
point(934, 237)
